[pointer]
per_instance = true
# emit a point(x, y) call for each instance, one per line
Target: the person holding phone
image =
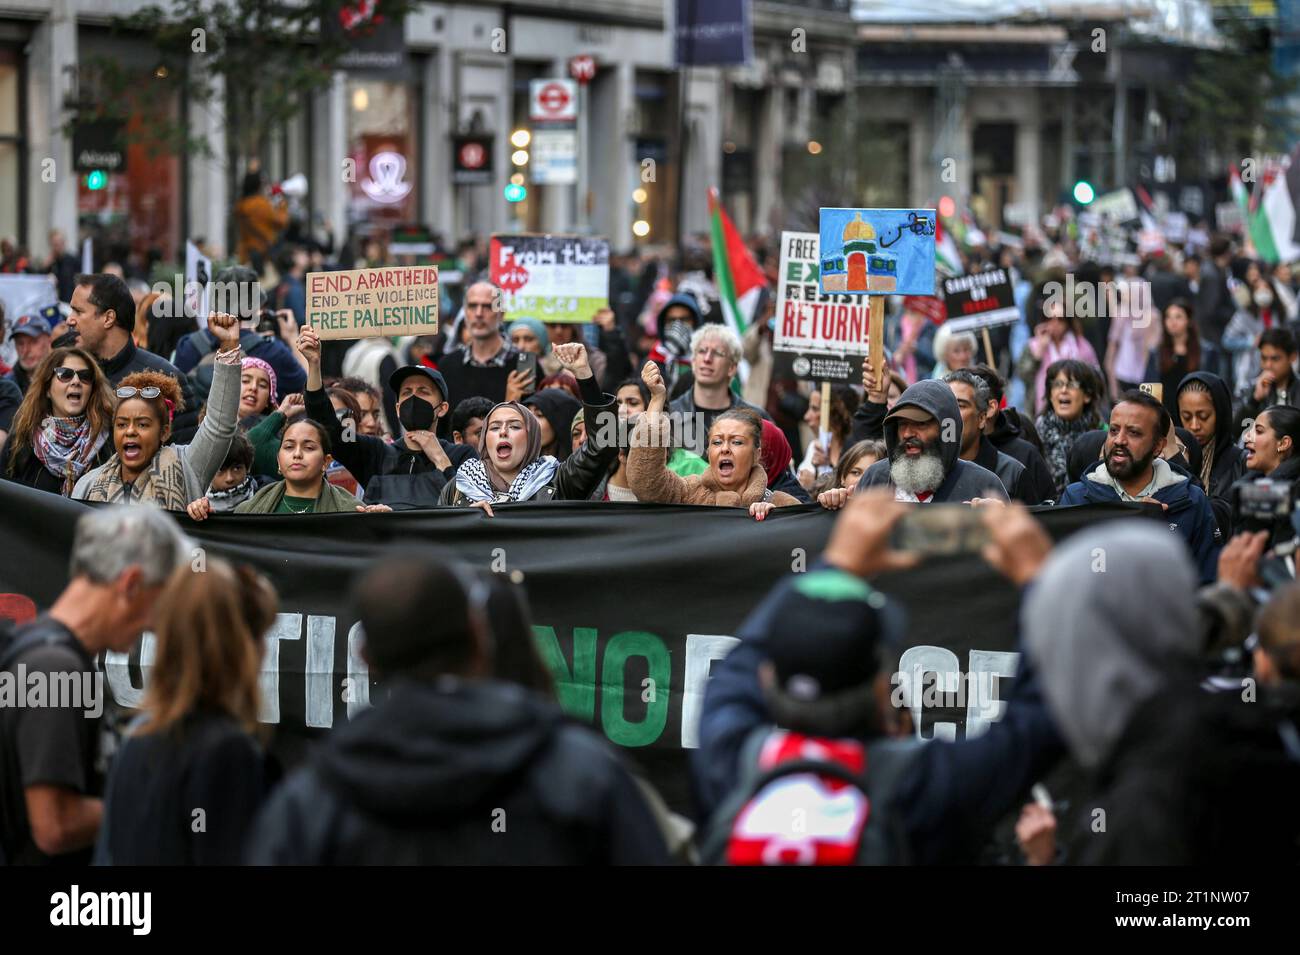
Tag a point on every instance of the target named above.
point(533, 342)
point(412, 471)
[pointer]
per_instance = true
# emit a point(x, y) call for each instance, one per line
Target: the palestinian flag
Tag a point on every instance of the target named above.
point(946, 256)
point(1270, 212)
point(736, 274)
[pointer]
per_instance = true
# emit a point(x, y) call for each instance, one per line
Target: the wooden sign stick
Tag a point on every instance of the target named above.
point(876, 339)
point(988, 347)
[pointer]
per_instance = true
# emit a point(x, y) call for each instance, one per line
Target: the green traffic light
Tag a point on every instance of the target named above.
point(516, 193)
point(1083, 192)
point(96, 179)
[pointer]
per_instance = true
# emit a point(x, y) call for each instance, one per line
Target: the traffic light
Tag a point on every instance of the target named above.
point(96, 179)
point(516, 193)
point(1083, 192)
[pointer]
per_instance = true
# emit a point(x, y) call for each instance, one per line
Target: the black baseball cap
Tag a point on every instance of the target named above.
point(396, 378)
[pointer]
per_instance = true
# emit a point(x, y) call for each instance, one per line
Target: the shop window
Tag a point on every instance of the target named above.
point(381, 141)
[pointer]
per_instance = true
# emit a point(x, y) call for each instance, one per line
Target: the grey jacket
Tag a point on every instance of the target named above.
point(202, 458)
point(963, 480)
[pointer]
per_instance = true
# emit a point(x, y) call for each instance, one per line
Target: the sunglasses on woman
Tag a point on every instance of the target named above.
point(146, 393)
point(85, 375)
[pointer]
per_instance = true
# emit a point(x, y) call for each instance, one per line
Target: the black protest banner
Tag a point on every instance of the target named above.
point(631, 604)
point(980, 300)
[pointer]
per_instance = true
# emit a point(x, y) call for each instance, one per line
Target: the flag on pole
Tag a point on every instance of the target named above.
point(946, 255)
point(737, 275)
point(1269, 215)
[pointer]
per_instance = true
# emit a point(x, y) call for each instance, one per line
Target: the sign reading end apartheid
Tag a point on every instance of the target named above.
point(980, 300)
point(877, 251)
point(553, 278)
point(365, 303)
point(819, 336)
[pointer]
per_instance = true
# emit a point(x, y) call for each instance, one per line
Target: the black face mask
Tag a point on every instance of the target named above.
point(416, 414)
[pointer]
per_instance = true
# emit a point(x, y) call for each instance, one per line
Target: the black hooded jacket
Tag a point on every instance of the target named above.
point(1006, 437)
point(459, 772)
point(1010, 472)
point(559, 408)
point(1229, 460)
point(963, 480)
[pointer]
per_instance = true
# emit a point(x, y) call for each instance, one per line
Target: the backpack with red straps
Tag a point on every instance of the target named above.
point(805, 800)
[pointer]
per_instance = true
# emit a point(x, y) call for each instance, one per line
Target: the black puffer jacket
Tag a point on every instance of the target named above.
point(459, 773)
point(1008, 437)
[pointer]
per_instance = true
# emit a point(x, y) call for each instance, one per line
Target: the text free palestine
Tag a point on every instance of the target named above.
point(397, 316)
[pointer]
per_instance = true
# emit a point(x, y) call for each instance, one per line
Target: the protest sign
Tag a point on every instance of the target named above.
point(365, 303)
point(819, 336)
point(553, 278)
point(877, 251)
point(26, 294)
point(198, 280)
point(980, 300)
point(1119, 205)
point(628, 635)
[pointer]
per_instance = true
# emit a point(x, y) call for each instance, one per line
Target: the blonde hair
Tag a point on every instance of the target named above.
point(209, 627)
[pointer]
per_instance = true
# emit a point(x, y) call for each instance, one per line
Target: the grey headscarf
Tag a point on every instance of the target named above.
point(1107, 639)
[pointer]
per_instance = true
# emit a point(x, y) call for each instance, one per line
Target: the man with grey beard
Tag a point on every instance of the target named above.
point(923, 436)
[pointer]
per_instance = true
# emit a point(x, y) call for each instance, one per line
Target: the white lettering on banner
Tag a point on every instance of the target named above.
point(320, 671)
point(976, 690)
point(118, 670)
point(358, 672)
point(982, 703)
point(701, 650)
point(287, 626)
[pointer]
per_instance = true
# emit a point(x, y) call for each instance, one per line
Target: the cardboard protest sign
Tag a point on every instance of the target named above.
point(980, 300)
point(366, 303)
point(819, 336)
point(553, 278)
point(877, 251)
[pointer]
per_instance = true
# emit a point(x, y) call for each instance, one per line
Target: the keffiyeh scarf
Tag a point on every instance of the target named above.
point(472, 480)
point(225, 501)
point(66, 447)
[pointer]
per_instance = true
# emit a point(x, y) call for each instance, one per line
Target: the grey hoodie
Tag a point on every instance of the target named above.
point(1111, 617)
point(963, 480)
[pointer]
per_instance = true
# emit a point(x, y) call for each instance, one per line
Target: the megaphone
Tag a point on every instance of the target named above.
point(295, 187)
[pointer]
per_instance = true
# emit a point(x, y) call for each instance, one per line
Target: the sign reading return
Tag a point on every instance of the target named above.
point(554, 278)
point(980, 300)
point(877, 251)
point(819, 336)
point(365, 303)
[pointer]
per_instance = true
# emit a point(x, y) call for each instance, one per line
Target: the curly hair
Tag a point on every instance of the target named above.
point(169, 393)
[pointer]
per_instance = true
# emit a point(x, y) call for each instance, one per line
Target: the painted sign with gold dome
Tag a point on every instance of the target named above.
point(877, 251)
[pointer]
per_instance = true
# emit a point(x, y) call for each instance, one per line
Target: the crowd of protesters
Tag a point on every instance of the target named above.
point(1189, 404)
